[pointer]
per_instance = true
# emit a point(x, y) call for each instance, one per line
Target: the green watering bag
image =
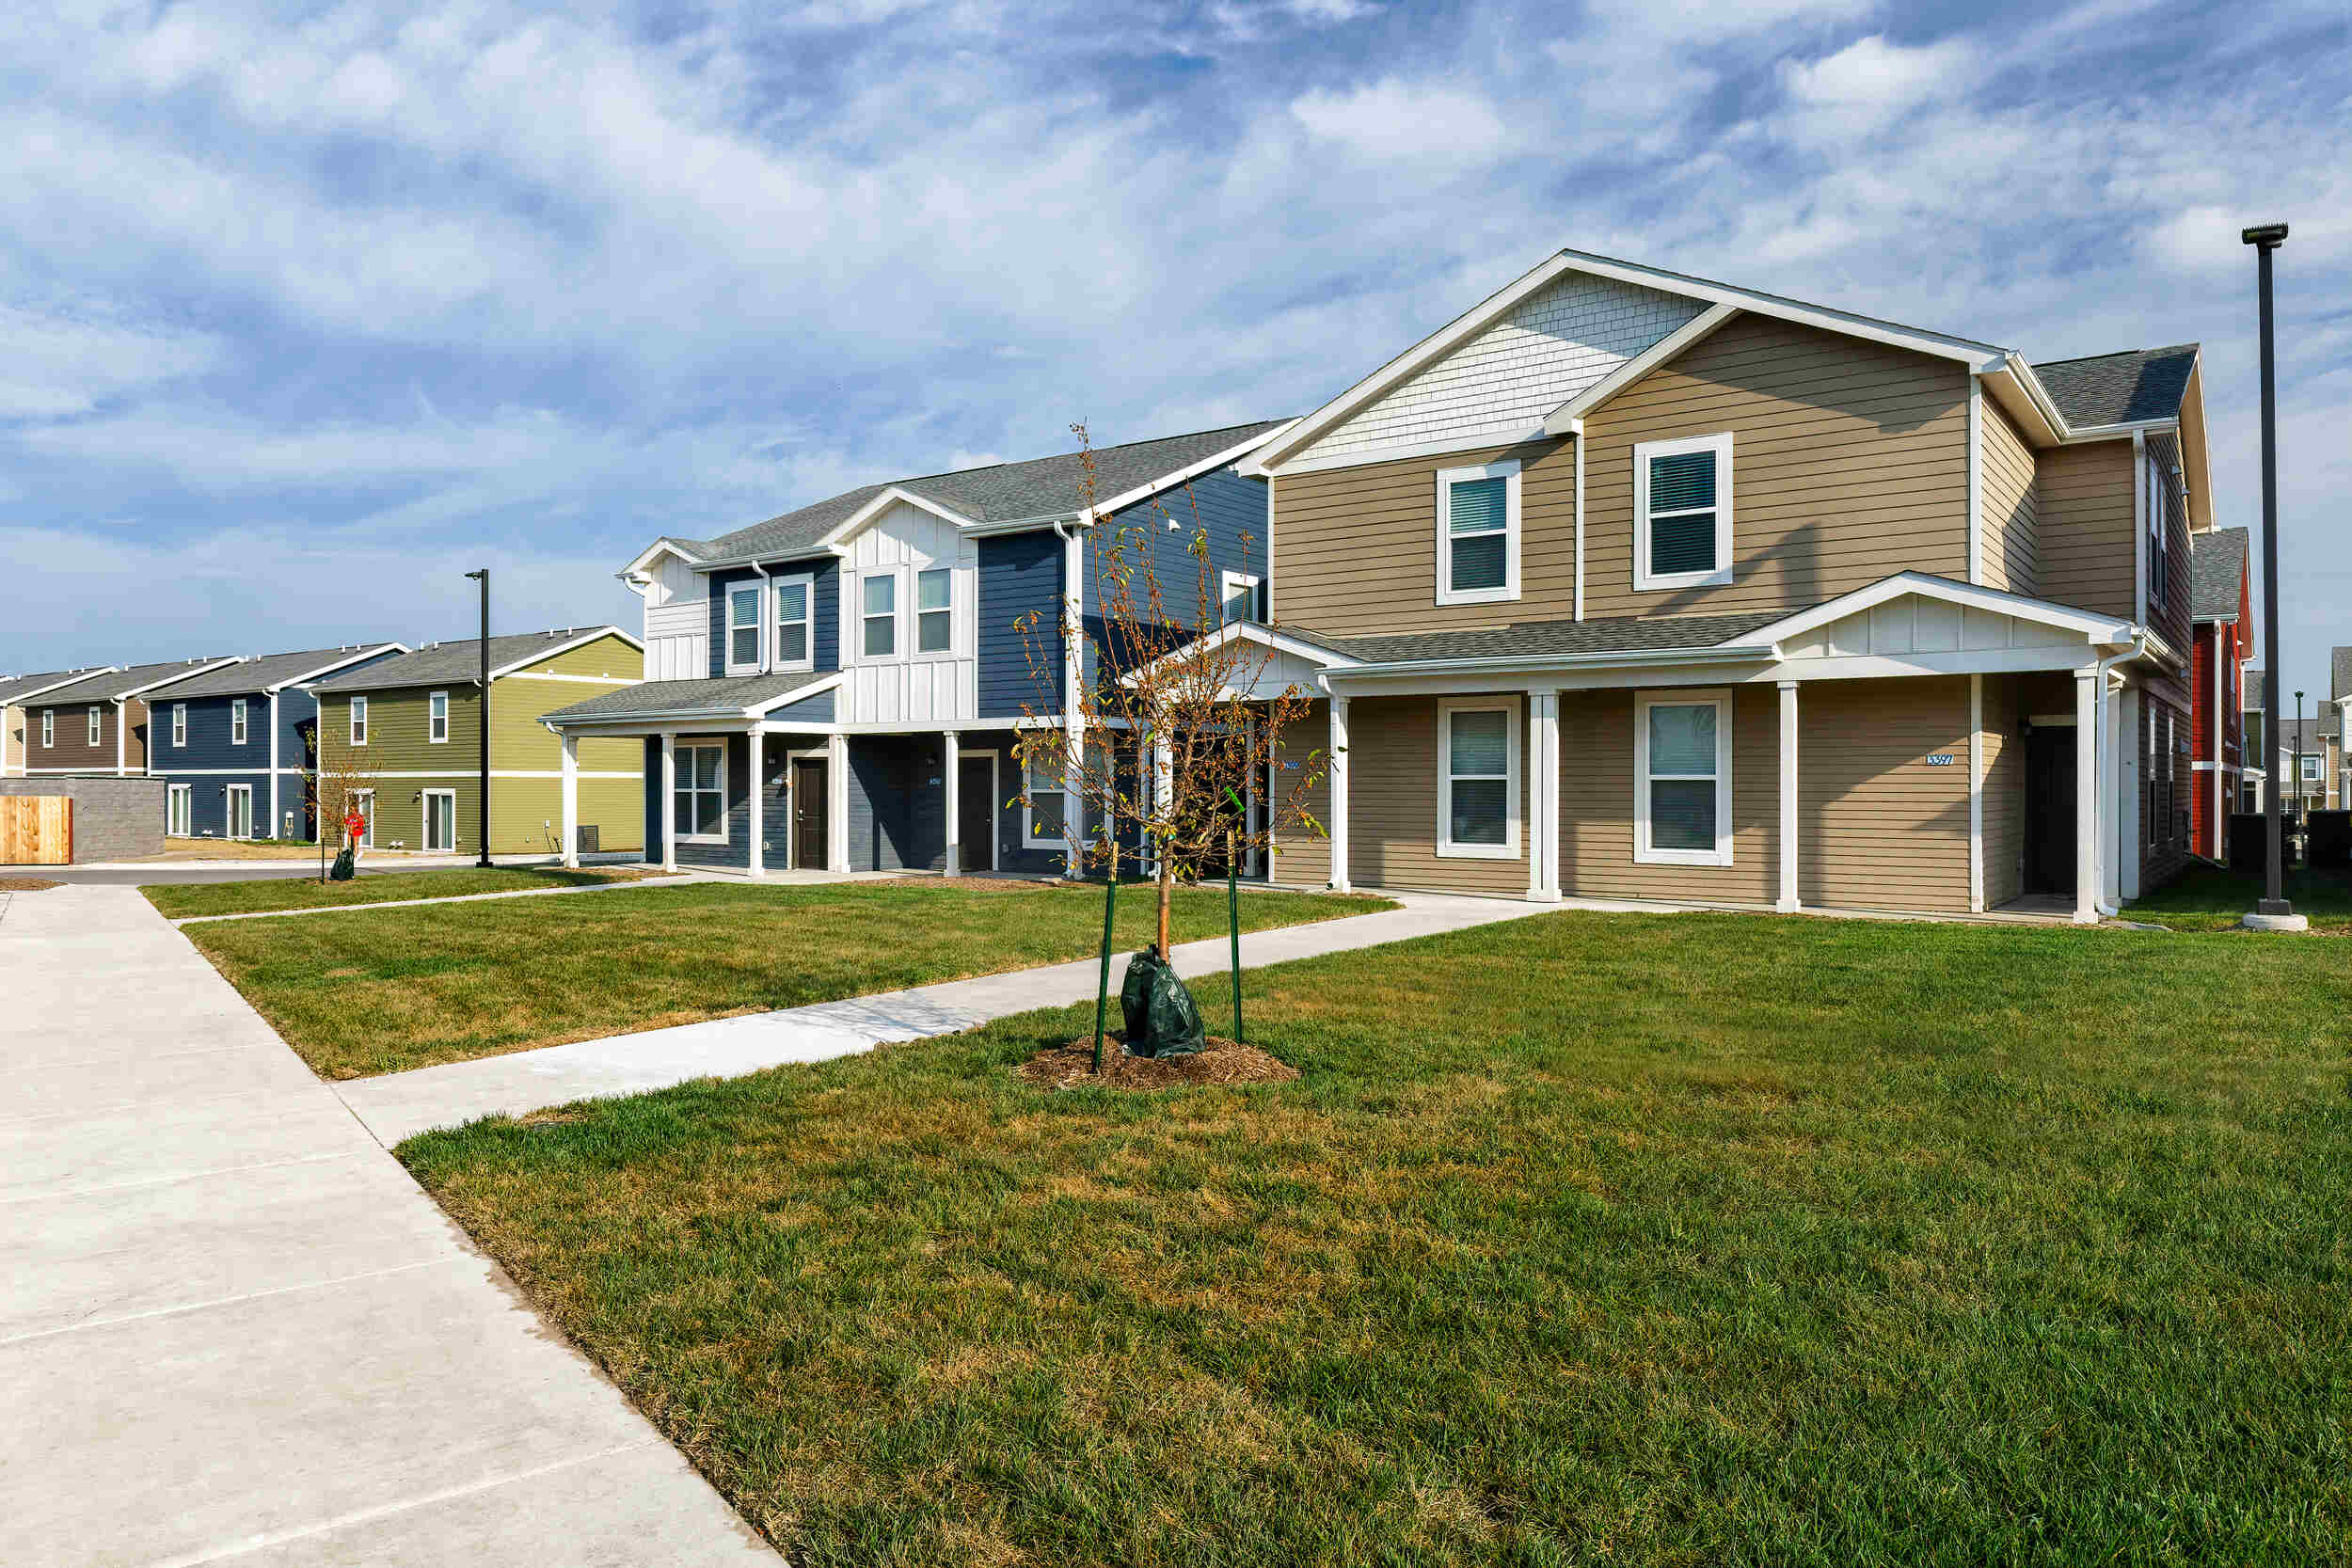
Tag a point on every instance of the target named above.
point(1161, 1017)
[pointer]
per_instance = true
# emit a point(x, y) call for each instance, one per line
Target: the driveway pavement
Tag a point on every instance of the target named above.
point(231, 1328)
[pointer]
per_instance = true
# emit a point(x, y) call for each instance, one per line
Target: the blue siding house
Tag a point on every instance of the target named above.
point(235, 742)
point(841, 687)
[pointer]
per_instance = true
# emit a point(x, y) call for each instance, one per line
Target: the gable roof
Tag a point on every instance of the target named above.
point(2216, 574)
point(267, 672)
point(2338, 673)
point(17, 687)
point(110, 684)
point(460, 663)
point(1039, 488)
point(2131, 387)
point(731, 697)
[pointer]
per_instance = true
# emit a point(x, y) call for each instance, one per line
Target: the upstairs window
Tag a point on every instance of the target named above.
point(1478, 534)
point(1478, 749)
point(1245, 598)
point(934, 611)
point(793, 623)
point(743, 629)
point(178, 723)
point(879, 604)
point(1682, 512)
point(236, 722)
point(1682, 778)
point(48, 728)
point(94, 722)
point(358, 720)
point(436, 718)
point(2159, 489)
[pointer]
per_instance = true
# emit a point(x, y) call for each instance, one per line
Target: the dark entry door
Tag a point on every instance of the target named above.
point(808, 816)
point(976, 813)
point(2050, 809)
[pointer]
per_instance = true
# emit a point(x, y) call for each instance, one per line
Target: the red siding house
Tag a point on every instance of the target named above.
point(2222, 610)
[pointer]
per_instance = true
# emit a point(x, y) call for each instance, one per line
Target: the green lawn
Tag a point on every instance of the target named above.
point(1583, 1239)
point(2207, 899)
point(179, 901)
point(385, 990)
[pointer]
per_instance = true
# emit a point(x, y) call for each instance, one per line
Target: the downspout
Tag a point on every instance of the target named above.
point(273, 824)
point(122, 726)
point(2111, 763)
point(1575, 429)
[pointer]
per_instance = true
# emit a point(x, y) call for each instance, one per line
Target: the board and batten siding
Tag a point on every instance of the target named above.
point(2087, 547)
point(908, 687)
point(1597, 803)
point(676, 632)
point(1849, 462)
point(2010, 506)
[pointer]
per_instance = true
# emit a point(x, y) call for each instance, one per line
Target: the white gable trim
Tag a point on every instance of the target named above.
point(325, 669)
point(72, 677)
point(864, 517)
point(660, 547)
point(1184, 475)
point(175, 677)
point(761, 709)
point(1562, 420)
point(1267, 637)
point(581, 639)
point(2096, 628)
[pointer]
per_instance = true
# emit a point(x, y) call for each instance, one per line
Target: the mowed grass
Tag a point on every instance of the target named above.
point(178, 901)
point(2207, 899)
point(1583, 1239)
point(385, 990)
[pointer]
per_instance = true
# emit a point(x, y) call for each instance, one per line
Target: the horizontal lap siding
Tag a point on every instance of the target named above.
point(72, 749)
point(1303, 854)
point(2012, 520)
point(1596, 804)
point(2003, 738)
point(1849, 462)
point(1392, 804)
point(1878, 827)
point(608, 657)
point(2088, 550)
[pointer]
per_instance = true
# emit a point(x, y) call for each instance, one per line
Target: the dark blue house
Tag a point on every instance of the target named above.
point(841, 687)
point(236, 739)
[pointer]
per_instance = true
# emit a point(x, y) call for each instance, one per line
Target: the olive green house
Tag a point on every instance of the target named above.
point(407, 731)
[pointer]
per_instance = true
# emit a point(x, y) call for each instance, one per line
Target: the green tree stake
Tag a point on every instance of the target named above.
point(1232, 909)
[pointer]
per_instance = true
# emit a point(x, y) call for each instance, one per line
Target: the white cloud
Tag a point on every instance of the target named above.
point(56, 362)
point(1870, 82)
point(1394, 120)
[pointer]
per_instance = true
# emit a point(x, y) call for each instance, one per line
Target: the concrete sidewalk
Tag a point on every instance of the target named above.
point(403, 1104)
point(232, 1327)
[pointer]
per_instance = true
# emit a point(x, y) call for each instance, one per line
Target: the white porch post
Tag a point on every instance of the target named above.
point(1787, 903)
point(1163, 788)
point(571, 799)
point(122, 732)
point(2087, 797)
point(757, 743)
point(2110, 798)
point(669, 799)
point(1336, 818)
point(1975, 794)
point(837, 803)
point(1543, 796)
point(277, 828)
point(951, 753)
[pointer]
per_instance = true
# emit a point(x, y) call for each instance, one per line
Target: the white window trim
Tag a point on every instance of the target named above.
point(808, 622)
point(1231, 580)
point(758, 592)
point(1645, 581)
point(913, 614)
point(94, 726)
point(686, 773)
point(359, 728)
point(857, 616)
point(48, 728)
point(180, 810)
point(240, 729)
point(1507, 471)
point(1029, 840)
point(442, 738)
point(424, 821)
point(1509, 848)
point(178, 723)
point(1644, 853)
point(228, 811)
point(363, 802)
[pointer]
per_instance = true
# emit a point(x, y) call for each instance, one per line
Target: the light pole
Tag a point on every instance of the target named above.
point(2273, 912)
point(2302, 807)
point(483, 712)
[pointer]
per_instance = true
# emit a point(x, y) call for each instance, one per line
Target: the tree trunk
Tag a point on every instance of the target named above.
point(1168, 895)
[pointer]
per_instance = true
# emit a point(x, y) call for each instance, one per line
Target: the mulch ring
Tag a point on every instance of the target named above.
point(1221, 1061)
point(27, 884)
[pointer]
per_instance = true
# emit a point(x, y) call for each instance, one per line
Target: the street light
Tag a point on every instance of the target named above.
point(483, 711)
point(2273, 912)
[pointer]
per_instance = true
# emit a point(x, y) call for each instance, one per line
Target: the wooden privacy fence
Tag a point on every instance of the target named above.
point(36, 830)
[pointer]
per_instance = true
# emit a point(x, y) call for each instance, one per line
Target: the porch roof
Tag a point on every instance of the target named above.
point(1538, 638)
point(731, 697)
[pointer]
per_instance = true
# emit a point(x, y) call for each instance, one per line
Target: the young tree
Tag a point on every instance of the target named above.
point(1175, 731)
point(342, 776)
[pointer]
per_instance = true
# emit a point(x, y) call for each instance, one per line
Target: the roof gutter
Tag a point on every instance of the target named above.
point(1748, 653)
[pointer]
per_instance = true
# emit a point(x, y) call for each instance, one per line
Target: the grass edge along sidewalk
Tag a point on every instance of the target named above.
point(287, 895)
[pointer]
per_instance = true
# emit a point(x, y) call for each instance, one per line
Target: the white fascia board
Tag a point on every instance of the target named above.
point(582, 639)
point(175, 677)
point(325, 669)
point(1184, 475)
point(1248, 631)
point(856, 521)
point(1359, 457)
point(72, 678)
point(1564, 420)
point(2022, 397)
point(2097, 628)
point(816, 688)
point(663, 546)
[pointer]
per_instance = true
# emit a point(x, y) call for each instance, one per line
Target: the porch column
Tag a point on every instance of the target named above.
point(1543, 796)
point(756, 742)
point(1336, 818)
point(951, 754)
point(277, 828)
point(669, 799)
point(571, 799)
point(1073, 810)
point(1787, 903)
point(837, 803)
point(122, 734)
point(2087, 797)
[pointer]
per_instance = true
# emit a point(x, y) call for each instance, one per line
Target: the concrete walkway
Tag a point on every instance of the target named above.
point(233, 1328)
point(402, 1104)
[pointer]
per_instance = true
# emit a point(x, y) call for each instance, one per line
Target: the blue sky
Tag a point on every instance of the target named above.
point(306, 310)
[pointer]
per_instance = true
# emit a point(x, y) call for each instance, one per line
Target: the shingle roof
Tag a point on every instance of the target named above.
point(1000, 493)
point(265, 670)
point(2339, 672)
point(17, 685)
point(716, 697)
point(455, 662)
point(1536, 638)
point(2216, 574)
point(114, 683)
point(2120, 389)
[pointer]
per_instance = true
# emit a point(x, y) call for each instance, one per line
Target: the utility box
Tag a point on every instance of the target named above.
point(2328, 840)
point(587, 838)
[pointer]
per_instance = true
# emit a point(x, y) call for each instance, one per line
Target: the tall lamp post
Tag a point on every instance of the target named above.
point(483, 713)
point(2273, 912)
point(2302, 806)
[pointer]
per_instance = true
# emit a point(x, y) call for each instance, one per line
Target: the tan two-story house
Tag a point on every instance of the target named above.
point(1630, 584)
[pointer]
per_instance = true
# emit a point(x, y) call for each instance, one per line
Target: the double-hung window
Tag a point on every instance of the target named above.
point(93, 722)
point(1478, 778)
point(934, 611)
point(794, 621)
point(178, 723)
point(437, 717)
point(1478, 534)
point(744, 628)
point(358, 720)
point(1245, 597)
point(699, 803)
point(878, 607)
point(1043, 818)
point(1682, 778)
point(1682, 512)
point(2159, 530)
point(236, 722)
point(48, 728)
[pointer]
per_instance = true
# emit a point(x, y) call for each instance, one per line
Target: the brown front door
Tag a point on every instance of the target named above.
point(808, 816)
point(975, 811)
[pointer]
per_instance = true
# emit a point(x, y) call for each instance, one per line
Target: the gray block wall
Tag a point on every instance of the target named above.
point(114, 819)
